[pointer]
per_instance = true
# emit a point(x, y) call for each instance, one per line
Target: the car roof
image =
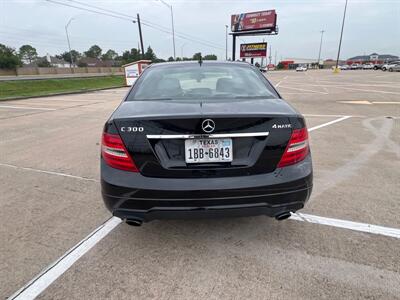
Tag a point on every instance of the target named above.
point(204, 62)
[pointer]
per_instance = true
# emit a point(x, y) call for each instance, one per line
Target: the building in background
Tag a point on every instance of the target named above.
point(293, 63)
point(329, 63)
point(48, 61)
point(373, 58)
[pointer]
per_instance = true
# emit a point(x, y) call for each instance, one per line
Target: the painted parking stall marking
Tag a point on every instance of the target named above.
point(38, 284)
point(329, 123)
point(44, 279)
point(26, 107)
point(48, 172)
point(356, 226)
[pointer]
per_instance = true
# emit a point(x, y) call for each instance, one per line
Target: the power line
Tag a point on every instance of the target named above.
point(126, 17)
point(144, 21)
point(90, 10)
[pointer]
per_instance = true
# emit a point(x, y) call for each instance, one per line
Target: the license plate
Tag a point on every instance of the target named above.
point(208, 150)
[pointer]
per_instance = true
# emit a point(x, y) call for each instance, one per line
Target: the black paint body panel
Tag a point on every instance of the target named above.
point(167, 187)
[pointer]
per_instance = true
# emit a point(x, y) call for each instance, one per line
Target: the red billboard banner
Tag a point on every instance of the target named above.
point(253, 21)
point(253, 50)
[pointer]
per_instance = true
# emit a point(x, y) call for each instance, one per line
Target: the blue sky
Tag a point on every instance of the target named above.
point(371, 26)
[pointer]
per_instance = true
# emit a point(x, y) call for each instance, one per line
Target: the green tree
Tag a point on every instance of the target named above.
point(197, 56)
point(109, 55)
point(8, 58)
point(94, 51)
point(210, 57)
point(280, 66)
point(158, 60)
point(67, 56)
point(149, 54)
point(130, 56)
point(178, 59)
point(27, 53)
point(170, 58)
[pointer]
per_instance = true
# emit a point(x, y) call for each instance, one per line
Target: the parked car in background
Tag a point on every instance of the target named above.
point(356, 67)
point(301, 69)
point(395, 68)
point(367, 67)
point(378, 66)
point(389, 65)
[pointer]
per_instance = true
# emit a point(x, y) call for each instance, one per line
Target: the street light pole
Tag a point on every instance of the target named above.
point(182, 50)
point(226, 42)
point(320, 47)
point(341, 35)
point(172, 23)
point(69, 45)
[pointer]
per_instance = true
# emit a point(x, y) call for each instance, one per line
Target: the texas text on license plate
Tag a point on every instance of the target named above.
point(208, 150)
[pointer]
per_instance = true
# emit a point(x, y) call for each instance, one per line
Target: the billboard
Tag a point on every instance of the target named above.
point(258, 20)
point(253, 50)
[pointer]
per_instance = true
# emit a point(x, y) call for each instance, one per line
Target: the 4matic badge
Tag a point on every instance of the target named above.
point(281, 126)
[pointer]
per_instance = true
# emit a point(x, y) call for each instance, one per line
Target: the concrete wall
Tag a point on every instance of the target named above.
point(47, 71)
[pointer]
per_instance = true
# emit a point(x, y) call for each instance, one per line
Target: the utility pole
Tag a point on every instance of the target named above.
point(276, 54)
point(262, 58)
point(226, 42)
point(233, 46)
point(172, 23)
point(320, 47)
point(69, 45)
point(341, 35)
point(270, 54)
point(140, 34)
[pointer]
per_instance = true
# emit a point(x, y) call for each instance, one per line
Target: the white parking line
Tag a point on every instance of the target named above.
point(44, 279)
point(304, 90)
point(26, 107)
point(329, 123)
point(38, 284)
point(346, 87)
point(356, 226)
point(48, 172)
point(318, 115)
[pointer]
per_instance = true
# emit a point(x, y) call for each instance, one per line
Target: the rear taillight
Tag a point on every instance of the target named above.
point(297, 148)
point(115, 154)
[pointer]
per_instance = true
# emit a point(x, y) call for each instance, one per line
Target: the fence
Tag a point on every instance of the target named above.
point(52, 70)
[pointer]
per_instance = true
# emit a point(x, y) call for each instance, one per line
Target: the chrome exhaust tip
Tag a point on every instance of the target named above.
point(283, 216)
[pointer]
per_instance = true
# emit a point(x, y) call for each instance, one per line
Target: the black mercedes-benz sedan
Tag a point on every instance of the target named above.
point(204, 139)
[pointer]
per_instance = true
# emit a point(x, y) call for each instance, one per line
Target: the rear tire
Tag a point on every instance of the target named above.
point(390, 70)
point(383, 69)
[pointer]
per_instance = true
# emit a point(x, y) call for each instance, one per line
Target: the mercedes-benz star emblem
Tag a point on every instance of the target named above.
point(208, 125)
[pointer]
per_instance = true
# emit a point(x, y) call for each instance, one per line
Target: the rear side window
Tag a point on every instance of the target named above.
point(206, 81)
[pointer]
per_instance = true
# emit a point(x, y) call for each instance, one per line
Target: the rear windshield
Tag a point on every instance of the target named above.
point(206, 81)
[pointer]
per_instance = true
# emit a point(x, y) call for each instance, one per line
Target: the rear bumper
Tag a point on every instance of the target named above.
point(133, 196)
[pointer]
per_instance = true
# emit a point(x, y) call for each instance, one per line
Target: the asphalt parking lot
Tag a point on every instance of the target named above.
point(50, 202)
